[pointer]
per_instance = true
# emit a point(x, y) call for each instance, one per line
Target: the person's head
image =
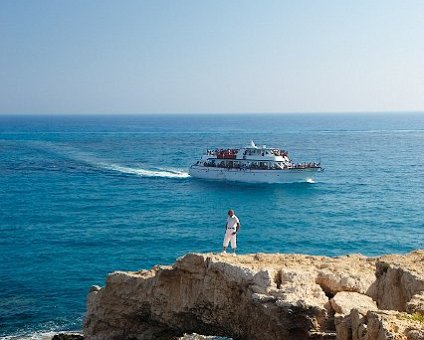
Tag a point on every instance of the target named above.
point(230, 213)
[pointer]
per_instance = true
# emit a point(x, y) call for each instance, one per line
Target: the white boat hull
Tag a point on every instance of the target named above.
point(254, 175)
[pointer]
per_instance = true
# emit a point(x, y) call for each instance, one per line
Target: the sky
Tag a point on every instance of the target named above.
point(211, 56)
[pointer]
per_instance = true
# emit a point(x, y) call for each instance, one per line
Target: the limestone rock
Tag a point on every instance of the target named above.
point(388, 325)
point(297, 287)
point(416, 304)
point(259, 296)
point(399, 278)
point(344, 302)
point(354, 273)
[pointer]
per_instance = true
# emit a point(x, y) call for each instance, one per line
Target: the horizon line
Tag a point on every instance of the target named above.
point(207, 113)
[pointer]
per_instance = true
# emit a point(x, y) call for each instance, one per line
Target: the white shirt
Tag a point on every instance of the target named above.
point(232, 222)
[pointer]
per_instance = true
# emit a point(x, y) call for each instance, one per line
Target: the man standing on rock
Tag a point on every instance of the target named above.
point(231, 229)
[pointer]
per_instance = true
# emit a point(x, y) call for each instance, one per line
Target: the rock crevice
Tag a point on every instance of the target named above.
point(261, 296)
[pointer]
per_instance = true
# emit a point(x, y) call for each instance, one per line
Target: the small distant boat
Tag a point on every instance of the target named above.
point(253, 164)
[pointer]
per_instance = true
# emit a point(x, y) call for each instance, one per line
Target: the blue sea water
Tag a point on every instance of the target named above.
point(82, 196)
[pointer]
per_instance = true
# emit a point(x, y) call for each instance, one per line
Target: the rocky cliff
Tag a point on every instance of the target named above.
point(264, 296)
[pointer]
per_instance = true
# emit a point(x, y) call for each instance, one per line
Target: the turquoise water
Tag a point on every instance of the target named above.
point(83, 196)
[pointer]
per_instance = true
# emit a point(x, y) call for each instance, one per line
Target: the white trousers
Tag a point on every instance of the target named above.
point(230, 237)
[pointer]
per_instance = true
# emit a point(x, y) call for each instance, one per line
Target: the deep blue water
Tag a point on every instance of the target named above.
point(82, 196)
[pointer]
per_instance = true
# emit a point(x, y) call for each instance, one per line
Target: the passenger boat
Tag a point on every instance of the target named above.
point(253, 164)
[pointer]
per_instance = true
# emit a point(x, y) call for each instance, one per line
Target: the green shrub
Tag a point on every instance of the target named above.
point(417, 317)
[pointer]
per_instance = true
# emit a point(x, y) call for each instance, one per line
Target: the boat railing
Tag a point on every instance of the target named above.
point(223, 164)
point(305, 165)
point(263, 152)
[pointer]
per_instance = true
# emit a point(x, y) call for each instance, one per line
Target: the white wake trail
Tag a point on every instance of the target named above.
point(144, 172)
point(96, 162)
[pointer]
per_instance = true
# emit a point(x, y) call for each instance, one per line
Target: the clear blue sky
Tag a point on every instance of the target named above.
point(198, 56)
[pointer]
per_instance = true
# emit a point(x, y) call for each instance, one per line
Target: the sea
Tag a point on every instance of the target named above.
point(82, 196)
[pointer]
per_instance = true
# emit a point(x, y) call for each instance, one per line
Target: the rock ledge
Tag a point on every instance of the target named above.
point(263, 296)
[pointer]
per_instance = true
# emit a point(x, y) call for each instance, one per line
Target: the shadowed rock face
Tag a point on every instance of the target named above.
point(398, 279)
point(261, 296)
